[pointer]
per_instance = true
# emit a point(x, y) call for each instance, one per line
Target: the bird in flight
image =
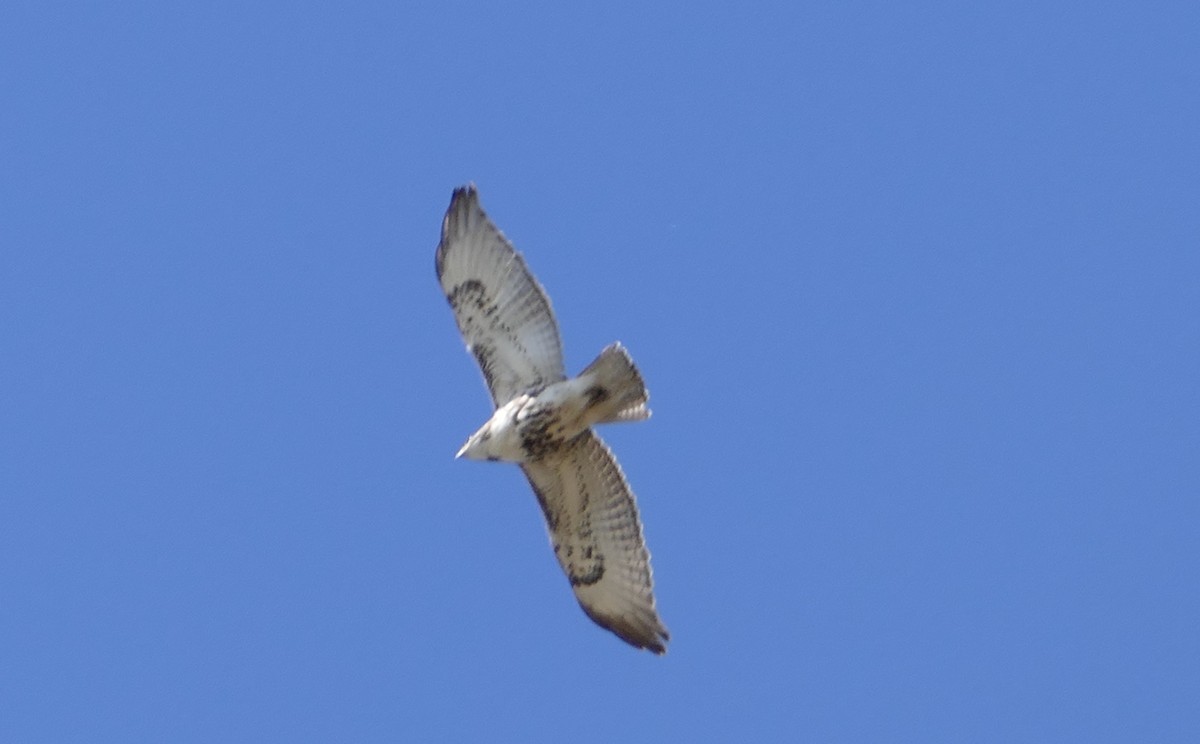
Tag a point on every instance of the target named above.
point(543, 421)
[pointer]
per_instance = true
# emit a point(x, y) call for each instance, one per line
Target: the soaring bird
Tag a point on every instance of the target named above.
point(543, 421)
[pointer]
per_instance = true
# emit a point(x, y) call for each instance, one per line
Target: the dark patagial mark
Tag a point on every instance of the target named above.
point(552, 517)
point(485, 355)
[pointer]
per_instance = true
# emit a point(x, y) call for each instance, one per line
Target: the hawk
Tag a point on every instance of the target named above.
point(543, 421)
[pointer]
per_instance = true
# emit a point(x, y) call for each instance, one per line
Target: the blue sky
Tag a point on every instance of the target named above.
point(915, 288)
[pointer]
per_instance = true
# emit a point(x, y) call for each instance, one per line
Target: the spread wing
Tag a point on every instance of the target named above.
point(502, 311)
point(597, 537)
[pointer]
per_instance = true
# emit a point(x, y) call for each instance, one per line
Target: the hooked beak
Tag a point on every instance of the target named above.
point(467, 449)
point(476, 446)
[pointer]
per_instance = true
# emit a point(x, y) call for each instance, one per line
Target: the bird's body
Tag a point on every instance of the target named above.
point(533, 424)
point(543, 421)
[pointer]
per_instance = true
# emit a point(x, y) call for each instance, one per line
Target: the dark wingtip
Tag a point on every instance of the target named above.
point(658, 646)
point(464, 192)
point(462, 201)
point(652, 639)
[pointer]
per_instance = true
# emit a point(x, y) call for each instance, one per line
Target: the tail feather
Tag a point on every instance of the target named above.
point(615, 391)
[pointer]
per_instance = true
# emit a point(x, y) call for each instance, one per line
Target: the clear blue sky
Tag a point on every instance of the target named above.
point(915, 288)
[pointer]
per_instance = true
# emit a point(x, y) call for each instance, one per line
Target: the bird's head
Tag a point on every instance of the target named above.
point(476, 447)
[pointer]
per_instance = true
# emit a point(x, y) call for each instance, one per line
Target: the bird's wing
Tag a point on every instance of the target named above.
point(502, 311)
point(593, 522)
